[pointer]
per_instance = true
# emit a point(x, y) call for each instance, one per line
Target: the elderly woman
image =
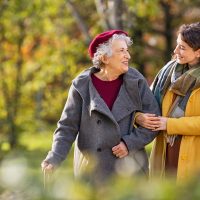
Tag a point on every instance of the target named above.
point(176, 150)
point(98, 114)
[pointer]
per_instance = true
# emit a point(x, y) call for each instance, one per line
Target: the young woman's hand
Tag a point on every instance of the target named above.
point(147, 120)
point(162, 124)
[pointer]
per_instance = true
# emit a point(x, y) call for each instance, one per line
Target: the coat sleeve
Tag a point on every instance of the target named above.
point(67, 128)
point(184, 126)
point(139, 137)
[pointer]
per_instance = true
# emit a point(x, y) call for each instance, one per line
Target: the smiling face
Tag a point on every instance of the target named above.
point(185, 54)
point(117, 63)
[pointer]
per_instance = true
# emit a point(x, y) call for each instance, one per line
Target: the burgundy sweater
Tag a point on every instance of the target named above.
point(108, 90)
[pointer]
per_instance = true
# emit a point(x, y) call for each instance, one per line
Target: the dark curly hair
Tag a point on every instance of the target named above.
point(190, 33)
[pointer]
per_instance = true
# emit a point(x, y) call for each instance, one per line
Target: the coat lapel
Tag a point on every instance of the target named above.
point(98, 104)
point(123, 105)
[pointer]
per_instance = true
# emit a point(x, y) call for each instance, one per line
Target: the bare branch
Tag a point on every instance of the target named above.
point(81, 24)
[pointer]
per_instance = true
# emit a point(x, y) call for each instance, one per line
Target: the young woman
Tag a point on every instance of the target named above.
point(176, 151)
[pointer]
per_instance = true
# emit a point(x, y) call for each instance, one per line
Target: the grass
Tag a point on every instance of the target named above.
point(21, 178)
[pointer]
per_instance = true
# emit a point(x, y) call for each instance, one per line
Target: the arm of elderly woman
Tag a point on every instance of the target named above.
point(141, 136)
point(68, 123)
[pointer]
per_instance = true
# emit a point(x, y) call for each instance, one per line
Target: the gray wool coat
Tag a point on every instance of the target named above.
point(96, 129)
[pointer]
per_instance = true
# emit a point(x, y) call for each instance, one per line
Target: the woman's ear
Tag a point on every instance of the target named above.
point(198, 53)
point(104, 59)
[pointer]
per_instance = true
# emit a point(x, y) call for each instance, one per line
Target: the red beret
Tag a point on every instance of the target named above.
point(101, 38)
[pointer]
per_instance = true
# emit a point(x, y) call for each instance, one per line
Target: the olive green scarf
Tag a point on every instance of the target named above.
point(181, 80)
point(177, 78)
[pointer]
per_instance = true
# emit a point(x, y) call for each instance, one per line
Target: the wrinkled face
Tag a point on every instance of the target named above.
point(185, 54)
point(118, 61)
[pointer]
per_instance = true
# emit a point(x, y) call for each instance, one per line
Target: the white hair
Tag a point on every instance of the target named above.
point(105, 48)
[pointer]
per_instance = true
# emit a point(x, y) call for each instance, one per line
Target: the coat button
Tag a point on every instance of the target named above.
point(98, 121)
point(184, 157)
point(98, 149)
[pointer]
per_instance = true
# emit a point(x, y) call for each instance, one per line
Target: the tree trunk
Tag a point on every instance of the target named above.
point(12, 100)
point(80, 22)
point(168, 32)
point(110, 13)
point(103, 14)
point(118, 10)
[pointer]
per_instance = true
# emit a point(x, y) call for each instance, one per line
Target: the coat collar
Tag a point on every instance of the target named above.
point(127, 101)
point(122, 106)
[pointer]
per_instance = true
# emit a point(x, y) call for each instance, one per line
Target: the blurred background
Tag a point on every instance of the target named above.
point(43, 46)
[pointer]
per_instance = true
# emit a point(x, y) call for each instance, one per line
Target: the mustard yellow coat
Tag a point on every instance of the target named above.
point(189, 128)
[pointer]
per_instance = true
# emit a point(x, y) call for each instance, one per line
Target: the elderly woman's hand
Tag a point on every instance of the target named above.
point(47, 167)
point(120, 150)
point(148, 120)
